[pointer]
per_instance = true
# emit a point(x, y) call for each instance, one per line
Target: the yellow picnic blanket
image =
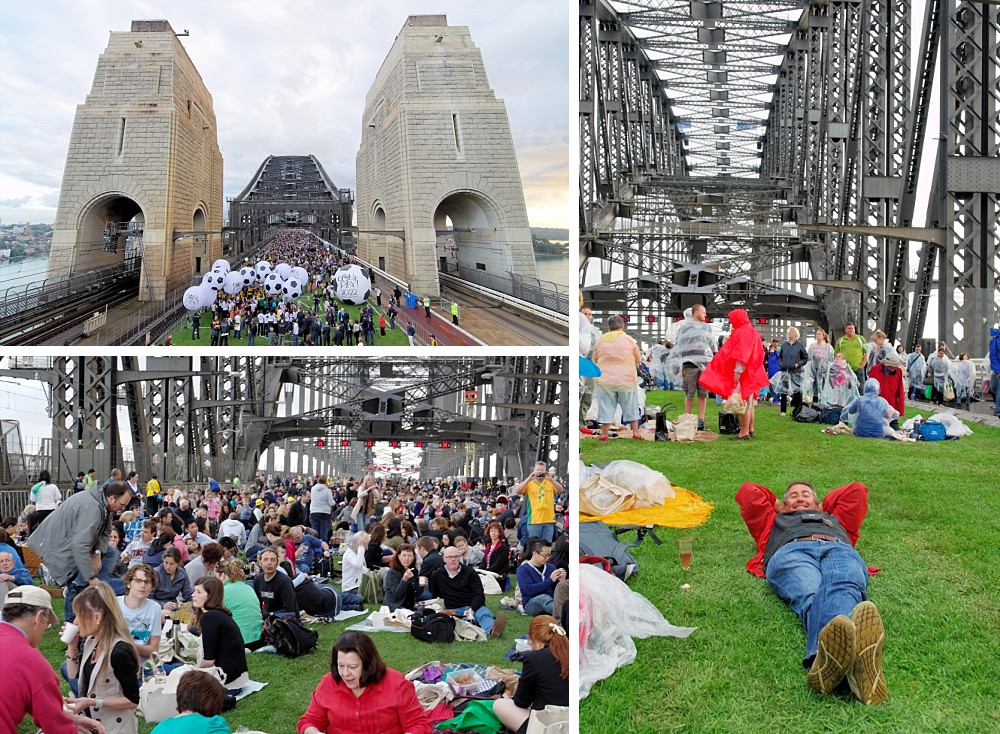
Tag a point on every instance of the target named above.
point(685, 510)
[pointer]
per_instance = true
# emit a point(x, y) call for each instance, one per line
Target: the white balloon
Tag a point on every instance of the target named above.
point(214, 280)
point(263, 268)
point(283, 269)
point(234, 283)
point(208, 295)
point(300, 274)
point(274, 284)
point(193, 297)
point(352, 284)
point(248, 275)
point(222, 265)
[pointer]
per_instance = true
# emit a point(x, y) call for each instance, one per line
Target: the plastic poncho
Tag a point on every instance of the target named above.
point(611, 614)
point(994, 360)
point(840, 385)
point(693, 343)
point(963, 374)
point(658, 358)
point(916, 368)
point(743, 346)
point(870, 413)
point(939, 367)
point(816, 374)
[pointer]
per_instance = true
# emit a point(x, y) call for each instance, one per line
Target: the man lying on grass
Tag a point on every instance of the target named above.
point(806, 551)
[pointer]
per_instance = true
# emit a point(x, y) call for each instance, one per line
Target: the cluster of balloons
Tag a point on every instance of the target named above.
point(282, 280)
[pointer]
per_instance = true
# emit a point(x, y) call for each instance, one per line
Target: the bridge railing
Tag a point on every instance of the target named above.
point(543, 293)
point(20, 299)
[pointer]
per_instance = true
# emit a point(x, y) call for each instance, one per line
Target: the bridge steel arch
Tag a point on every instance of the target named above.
point(789, 145)
point(189, 418)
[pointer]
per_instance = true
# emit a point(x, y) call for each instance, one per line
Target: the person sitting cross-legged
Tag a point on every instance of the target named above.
point(537, 578)
point(806, 551)
point(460, 588)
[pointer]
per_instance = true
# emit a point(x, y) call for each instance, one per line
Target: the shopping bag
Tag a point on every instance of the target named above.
point(549, 720)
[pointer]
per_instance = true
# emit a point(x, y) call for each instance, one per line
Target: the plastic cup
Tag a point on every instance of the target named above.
point(69, 633)
point(423, 581)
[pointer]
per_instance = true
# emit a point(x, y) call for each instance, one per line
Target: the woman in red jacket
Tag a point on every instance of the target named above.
point(739, 363)
point(361, 695)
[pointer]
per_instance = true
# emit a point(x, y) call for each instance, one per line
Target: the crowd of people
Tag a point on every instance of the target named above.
point(315, 319)
point(855, 374)
point(129, 556)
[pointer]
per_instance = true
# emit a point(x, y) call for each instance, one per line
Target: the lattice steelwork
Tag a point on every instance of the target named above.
point(194, 417)
point(787, 174)
point(291, 191)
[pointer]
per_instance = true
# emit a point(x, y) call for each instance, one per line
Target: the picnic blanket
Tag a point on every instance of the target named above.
point(684, 510)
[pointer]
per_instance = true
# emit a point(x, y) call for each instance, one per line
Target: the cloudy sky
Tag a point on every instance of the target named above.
point(287, 78)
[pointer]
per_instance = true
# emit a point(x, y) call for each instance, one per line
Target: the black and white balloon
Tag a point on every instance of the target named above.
point(292, 289)
point(221, 265)
point(248, 276)
point(284, 270)
point(273, 284)
point(214, 280)
point(263, 268)
point(352, 284)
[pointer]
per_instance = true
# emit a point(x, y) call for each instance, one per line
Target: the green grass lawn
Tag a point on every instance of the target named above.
point(181, 334)
point(932, 527)
point(277, 708)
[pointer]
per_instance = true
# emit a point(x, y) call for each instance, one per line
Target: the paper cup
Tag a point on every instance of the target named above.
point(423, 581)
point(69, 633)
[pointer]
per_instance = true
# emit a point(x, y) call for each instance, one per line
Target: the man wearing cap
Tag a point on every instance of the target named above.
point(30, 684)
point(73, 540)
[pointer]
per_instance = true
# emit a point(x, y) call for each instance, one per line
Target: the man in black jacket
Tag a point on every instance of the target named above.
point(460, 588)
point(298, 513)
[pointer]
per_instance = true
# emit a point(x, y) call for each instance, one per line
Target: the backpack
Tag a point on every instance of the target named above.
point(805, 414)
point(596, 539)
point(729, 423)
point(830, 415)
point(429, 625)
point(371, 587)
point(288, 635)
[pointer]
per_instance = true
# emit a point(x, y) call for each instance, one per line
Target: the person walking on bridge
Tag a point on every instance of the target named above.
point(427, 306)
point(454, 313)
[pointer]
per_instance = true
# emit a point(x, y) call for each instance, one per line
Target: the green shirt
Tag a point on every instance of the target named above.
point(853, 350)
point(245, 606)
point(193, 724)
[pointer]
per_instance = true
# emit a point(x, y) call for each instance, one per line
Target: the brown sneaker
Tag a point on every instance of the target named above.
point(498, 624)
point(865, 677)
point(835, 656)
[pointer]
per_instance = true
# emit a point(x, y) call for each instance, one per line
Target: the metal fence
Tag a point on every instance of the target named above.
point(19, 299)
point(543, 293)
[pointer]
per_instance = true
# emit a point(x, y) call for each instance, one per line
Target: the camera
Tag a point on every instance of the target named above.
point(540, 474)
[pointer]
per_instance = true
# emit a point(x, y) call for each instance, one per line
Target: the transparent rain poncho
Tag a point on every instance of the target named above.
point(611, 614)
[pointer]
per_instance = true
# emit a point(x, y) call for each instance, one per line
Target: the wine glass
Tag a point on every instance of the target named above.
point(684, 546)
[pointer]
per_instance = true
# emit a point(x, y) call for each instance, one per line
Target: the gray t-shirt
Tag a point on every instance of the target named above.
point(143, 622)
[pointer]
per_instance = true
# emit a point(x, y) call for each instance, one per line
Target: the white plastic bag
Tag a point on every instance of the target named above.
point(953, 426)
point(651, 488)
point(611, 614)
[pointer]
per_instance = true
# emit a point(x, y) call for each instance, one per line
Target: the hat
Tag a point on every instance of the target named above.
point(259, 503)
point(33, 596)
point(892, 360)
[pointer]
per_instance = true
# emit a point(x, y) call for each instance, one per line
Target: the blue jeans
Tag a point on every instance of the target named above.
point(545, 530)
point(361, 523)
point(484, 617)
point(818, 579)
point(108, 562)
point(995, 389)
point(540, 604)
point(320, 522)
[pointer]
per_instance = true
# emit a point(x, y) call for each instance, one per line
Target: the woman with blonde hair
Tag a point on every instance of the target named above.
point(368, 495)
point(544, 675)
point(107, 671)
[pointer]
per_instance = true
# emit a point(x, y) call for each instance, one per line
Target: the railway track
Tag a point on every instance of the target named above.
point(498, 324)
point(47, 321)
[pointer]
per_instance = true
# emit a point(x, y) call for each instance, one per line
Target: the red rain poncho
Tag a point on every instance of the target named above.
point(743, 345)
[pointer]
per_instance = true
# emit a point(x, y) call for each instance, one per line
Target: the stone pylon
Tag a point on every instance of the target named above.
point(143, 169)
point(436, 146)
